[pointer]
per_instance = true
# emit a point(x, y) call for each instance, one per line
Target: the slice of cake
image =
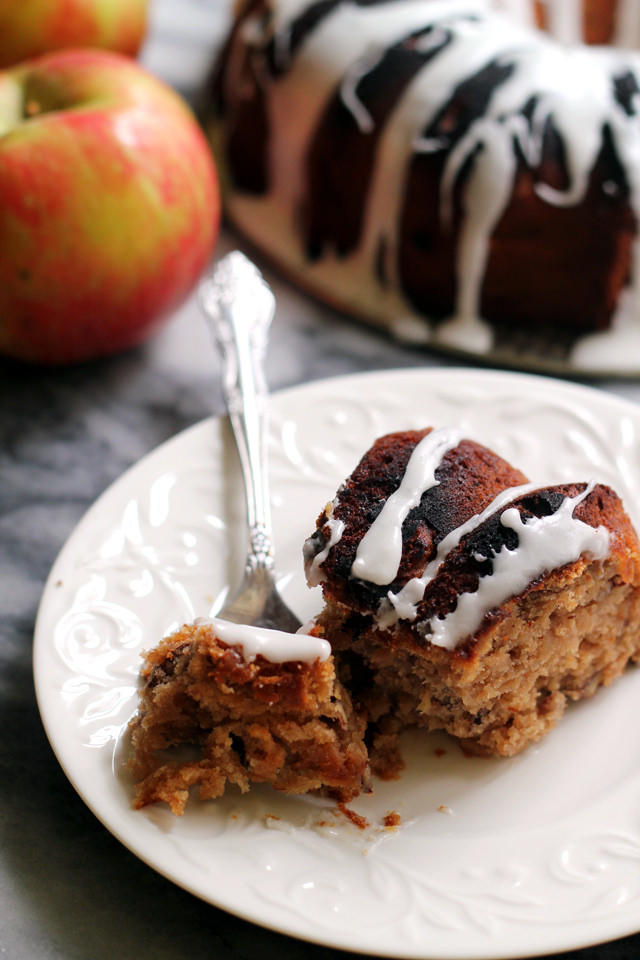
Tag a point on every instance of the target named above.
point(227, 704)
point(459, 597)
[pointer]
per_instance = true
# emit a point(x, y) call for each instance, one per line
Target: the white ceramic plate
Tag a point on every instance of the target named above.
point(492, 858)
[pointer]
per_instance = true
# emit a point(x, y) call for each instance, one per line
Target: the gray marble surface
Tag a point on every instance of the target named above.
point(68, 889)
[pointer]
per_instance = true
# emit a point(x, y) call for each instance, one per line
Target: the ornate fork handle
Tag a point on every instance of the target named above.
point(240, 308)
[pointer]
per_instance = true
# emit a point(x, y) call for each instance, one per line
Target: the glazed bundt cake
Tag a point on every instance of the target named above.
point(434, 167)
point(460, 597)
point(223, 704)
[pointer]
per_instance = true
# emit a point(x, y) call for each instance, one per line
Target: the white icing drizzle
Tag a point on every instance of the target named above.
point(403, 605)
point(350, 99)
point(313, 564)
point(544, 544)
point(274, 645)
point(380, 550)
point(601, 351)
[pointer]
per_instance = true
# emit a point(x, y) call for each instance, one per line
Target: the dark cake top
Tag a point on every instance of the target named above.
point(438, 530)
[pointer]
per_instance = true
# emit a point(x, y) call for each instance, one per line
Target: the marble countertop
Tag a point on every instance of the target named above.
point(68, 889)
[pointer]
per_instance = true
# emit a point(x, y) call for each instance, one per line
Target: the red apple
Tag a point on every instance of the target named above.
point(109, 205)
point(29, 28)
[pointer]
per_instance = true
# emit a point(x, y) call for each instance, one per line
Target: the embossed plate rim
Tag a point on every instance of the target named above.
point(476, 903)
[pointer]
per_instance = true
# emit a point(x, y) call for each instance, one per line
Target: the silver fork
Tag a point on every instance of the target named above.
point(240, 306)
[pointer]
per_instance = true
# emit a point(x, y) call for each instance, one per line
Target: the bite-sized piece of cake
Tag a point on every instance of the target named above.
point(461, 598)
point(227, 704)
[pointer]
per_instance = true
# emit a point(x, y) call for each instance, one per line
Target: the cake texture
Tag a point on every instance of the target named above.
point(436, 168)
point(494, 603)
point(215, 712)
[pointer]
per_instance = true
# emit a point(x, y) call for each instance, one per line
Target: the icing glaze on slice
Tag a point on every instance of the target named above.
point(274, 645)
point(544, 544)
point(380, 550)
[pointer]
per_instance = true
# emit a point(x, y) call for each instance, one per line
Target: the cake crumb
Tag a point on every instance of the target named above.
point(360, 822)
point(443, 808)
point(392, 820)
point(439, 752)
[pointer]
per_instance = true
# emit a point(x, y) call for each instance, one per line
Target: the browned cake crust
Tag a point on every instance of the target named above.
point(571, 630)
point(469, 478)
point(288, 724)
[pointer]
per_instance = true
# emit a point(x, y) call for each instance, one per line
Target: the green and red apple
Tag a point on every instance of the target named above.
point(29, 28)
point(109, 205)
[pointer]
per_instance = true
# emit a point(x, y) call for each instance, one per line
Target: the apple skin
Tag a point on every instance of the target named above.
point(29, 28)
point(109, 205)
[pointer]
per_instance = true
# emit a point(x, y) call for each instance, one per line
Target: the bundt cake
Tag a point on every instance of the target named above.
point(222, 703)
point(460, 597)
point(439, 169)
